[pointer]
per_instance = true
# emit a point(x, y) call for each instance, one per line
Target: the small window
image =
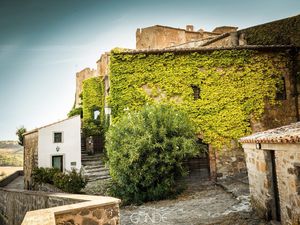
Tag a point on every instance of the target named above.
point(57, 137)
point(57, 162)
point(281, 90)
point(196, 91)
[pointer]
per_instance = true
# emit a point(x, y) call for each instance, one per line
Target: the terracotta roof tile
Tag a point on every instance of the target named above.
point(285, 134)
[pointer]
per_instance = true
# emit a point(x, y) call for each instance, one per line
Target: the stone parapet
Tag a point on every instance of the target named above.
point(41, 208)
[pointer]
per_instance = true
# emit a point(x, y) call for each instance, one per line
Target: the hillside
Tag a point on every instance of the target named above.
point(11, 154)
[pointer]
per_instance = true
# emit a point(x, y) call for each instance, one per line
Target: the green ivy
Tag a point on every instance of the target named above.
point(234, 86)
point(281, 32)
point(93, 99)
point(75, 111)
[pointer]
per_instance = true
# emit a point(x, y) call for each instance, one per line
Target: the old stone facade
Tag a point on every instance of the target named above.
point(273, 163)
point(30, 156)
point(80, 77)
point(156, 38)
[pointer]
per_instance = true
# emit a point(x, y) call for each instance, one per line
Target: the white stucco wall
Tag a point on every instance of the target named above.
point(70, 147)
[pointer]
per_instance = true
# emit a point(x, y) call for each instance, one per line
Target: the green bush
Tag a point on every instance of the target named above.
point(146, 150)
point(71, 182)
point(44, 175)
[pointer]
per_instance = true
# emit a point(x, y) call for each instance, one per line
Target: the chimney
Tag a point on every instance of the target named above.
point(189, 27)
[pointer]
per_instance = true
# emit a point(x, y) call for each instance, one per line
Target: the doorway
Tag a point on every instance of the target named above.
point(272, 176)
point(57, 162)
point(198, 166)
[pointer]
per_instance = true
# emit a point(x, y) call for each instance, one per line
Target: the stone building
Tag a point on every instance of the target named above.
point(158, 36)
point(274, 38)
point(230, 161)
point(80, 77)
point(55, 145)
point(273, 163)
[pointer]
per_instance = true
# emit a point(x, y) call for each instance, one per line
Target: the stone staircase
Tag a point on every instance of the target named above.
point(93, 166)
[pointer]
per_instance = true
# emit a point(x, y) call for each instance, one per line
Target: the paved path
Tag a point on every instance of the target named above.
point(17, 183)
point(207, 204)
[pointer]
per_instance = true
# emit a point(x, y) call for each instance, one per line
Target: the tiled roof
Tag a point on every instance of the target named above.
point(48, 125)
point(285, 134)
point(208, 49)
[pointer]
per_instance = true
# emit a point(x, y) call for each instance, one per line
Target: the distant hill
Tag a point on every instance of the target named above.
point(12, 146)
point(11, 153)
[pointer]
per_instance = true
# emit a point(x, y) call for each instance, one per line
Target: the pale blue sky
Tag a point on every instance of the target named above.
point(43, 43)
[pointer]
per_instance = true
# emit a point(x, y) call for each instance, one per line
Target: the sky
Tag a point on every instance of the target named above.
point(43, 43)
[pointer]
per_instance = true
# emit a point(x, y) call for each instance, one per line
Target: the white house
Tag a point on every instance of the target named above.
point(59, 144)
point(55, 145)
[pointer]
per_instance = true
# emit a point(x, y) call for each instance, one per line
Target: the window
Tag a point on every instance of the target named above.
point(281, 90)
point(57, 162)
point(57, 138)
point(196, 91)
point(96, 114)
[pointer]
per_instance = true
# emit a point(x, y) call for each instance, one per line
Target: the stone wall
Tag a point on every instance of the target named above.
point(230, 162)
point(157, 37)
point(280, 32)
point(14, 204)
point(103, 65)
point(288, 179)
point(287, 161)
point(90, 216)
point(30, 157)
point(80, 77)
point(259, 184)
point(285, 112)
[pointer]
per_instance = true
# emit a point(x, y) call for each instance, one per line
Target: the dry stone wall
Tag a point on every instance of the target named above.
point(15, 204)
point(287, 161)
point(72, 209)
point(90, 216)
point(30, 157)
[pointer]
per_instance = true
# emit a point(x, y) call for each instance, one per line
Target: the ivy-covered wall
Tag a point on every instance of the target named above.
point(234, 86)
point(93, 99)
point(281, 32)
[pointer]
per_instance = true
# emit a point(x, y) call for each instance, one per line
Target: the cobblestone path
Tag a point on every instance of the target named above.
point(209, 203)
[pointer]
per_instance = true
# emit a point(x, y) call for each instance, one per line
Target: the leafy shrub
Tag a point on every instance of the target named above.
point(44, 175)
point(146, 152)
point(71, 182)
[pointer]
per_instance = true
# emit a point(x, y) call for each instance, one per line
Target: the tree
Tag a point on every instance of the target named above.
point(20, 131)
point(146, 151)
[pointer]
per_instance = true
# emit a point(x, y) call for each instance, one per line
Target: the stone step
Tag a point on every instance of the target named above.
point(94, 167)
point(99, 178)
point(96, 175)
point(95, 170)
point(90, 158)
point(91, 163)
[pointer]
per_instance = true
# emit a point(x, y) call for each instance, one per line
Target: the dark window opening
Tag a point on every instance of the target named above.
point(281, 90)
point(57, 137)
point(57, 162)
point(196, 91)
